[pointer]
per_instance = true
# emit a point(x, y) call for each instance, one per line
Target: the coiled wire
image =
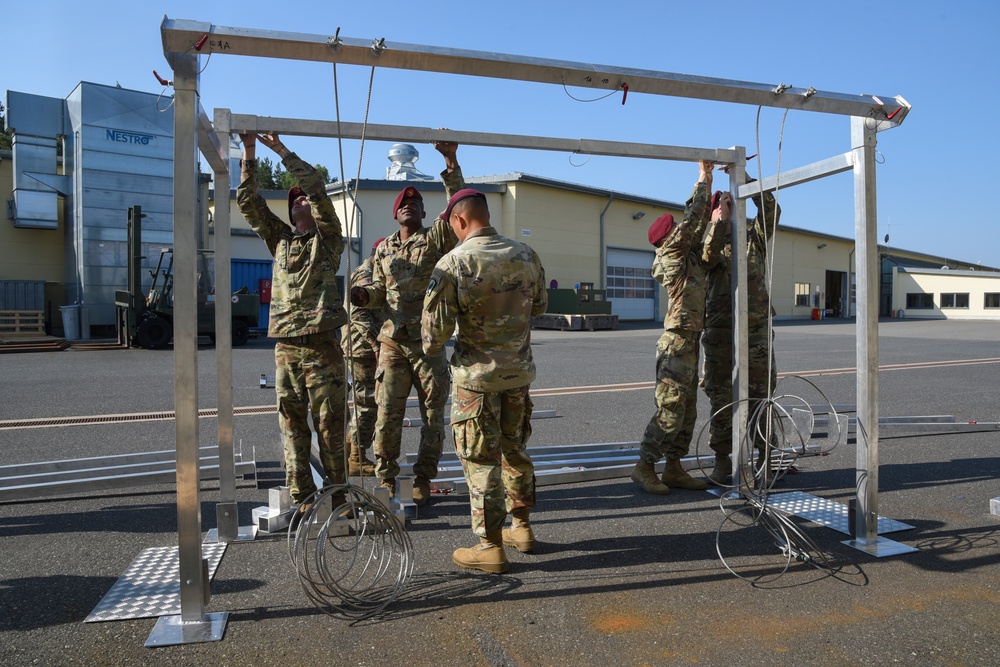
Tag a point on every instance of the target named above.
point(786, 423)
point(355, 562)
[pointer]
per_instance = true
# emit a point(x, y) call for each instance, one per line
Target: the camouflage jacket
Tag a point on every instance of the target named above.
point(402, 269)
point(304, 294)
point(719, 307)
point(678, 265)
point(360, 336)
point(490, 286)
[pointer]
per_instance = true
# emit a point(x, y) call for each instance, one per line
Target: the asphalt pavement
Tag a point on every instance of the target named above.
point(618, 577)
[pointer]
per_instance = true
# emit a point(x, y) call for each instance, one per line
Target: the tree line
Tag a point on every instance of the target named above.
point(272, 176)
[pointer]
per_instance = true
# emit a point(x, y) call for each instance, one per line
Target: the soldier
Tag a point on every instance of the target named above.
point(401, 269)
point(718, 336)
point(490, 286)
point(306, 312)
point(360, 343)
point(678, 266)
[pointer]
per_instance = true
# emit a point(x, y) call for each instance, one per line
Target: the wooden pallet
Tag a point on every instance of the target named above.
point(31, 343)
point(22, 322)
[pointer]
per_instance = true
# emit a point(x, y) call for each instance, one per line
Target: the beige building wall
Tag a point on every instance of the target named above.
point(31, 254)
point(975, 285)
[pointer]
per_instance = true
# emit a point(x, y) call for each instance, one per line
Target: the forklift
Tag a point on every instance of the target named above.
point(147, 320)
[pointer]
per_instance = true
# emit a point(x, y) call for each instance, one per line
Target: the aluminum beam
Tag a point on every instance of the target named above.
point(810, 172)
point(398, 133)
point(184, 36)
point(194, 586)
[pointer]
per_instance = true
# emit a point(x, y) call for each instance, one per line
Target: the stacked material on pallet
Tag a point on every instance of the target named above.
point(24, 331)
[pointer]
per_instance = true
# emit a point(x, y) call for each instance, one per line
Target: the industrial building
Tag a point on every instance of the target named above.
point(77, 164)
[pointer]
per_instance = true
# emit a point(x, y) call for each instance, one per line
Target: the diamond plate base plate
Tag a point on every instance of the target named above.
point(825, 512)
point(151, 586)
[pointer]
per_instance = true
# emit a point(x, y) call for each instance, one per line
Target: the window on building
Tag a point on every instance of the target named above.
point(991, 300)
point(954, 299)
point(919, 301)
point(802, 291)
point(626, 282)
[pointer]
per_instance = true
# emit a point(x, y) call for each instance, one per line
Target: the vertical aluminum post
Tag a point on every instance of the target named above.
point(227, 518)
point(738, 277)
point(865, 529)
point(192, 625)
point(186, 228)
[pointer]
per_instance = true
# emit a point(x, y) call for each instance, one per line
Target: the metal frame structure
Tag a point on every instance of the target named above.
point(183, 42)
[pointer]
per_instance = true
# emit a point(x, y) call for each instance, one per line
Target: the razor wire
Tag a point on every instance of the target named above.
point(352, 555)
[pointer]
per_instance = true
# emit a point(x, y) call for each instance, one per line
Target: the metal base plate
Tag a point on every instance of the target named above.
point(881, 547)
point(245, 534)
point(151, 586)
point(171, 630)
point(825, 512)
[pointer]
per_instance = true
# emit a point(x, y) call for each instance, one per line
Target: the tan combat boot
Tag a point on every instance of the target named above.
point(723, 470)
point(645, 476)
point(519, 535)
point(389, 484)
point(358, 463)
point(487, 556)
point(421, 490)
point(676, 477)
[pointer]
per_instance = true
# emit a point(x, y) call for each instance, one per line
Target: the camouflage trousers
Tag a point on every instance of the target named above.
point(308, 378)
point(402, 365)
point(365, 410)
point(718, 379)
point(669, 431)
point(491, 432)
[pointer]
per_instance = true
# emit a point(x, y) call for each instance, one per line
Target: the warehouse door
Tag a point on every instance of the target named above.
point(630, 285)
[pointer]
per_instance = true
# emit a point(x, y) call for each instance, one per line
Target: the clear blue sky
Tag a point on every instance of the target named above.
point(940, 56)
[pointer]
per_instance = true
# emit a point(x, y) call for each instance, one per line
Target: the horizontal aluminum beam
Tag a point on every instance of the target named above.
point(185, 36)
point(62, 488)
point(215, 153)
point(402, 133)
point(810, 172)
point(97, 462)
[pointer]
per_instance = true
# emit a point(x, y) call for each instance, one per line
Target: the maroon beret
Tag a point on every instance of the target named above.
point(294, 193)
point(408, 192)
point(459, 196)
point(716, 196)
point(375, 245)
point(660, 228)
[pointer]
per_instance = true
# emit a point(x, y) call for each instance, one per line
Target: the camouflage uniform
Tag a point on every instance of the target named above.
point(679, 268)
point(400, 273)
point(491, 287)
point(718, 337)
point(306, 311)
point(360, 344)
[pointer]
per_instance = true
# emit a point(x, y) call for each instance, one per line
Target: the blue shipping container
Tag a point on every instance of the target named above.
point(248, 273)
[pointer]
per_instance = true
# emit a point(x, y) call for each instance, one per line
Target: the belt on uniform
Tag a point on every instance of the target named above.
point(306, 339)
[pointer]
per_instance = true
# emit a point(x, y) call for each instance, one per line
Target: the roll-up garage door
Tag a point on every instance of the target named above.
point(630, 285)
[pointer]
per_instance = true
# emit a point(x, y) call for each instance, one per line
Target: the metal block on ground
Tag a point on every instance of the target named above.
point(279, 498)
point(404, 489)
point(995, 506)
point(270, 520)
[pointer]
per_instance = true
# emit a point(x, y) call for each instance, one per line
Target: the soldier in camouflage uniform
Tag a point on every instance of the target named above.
point(306, 312)
point(401, 269)
point(718, 337)
point(490, 286)
point(360, 343)
point(678, 266)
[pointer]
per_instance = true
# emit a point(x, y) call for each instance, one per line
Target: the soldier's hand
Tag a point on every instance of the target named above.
point(724, 209)
point(359, 297)
point(705, 168)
